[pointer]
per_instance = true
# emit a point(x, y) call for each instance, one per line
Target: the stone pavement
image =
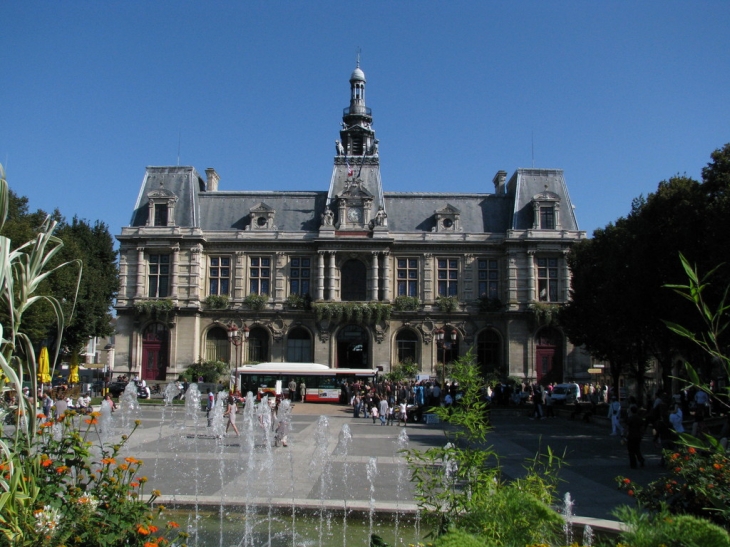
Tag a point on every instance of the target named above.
point(190, 466)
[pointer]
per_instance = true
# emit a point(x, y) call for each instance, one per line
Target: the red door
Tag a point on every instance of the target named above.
point(544, 358)
point(154, 352)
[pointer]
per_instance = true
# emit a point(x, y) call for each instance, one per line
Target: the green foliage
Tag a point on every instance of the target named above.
point(367, 313)
point(459, 486)
point(298, 302)
point(155, 308)
point(217, 302)
point(545, 314)
point(402, 371)
point(489, 305)
point(663, 528)
point(447, 304)
point(256, 302)
point(406, 303)
point(458, 538)
point(211, 371)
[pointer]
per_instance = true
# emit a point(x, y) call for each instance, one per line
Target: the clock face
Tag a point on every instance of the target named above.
point(354, 215)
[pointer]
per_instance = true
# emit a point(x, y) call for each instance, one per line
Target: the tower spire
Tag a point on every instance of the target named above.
point(357, 135)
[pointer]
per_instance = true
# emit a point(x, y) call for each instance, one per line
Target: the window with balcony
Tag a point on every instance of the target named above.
point(300, 274)
point(488, 278)
point(259, 275)
point(219, 275)
point(547, 279)
point(447, 276)
point(159, 276)
point(407, 277)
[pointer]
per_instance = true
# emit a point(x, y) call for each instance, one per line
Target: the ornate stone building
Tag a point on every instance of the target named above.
point(350, 276)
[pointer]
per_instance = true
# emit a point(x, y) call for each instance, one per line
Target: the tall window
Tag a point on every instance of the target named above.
point(547, 279)
point(219, 275)
point(448, 276)
point(259, 275)
point(488, 352)
point(488, 277)
point(407, 277)
point(300, 274)
point(159, 276)
point(299, 346)
point(406, 346)
point(547, 218)
point(217, 345)
point(160, 215)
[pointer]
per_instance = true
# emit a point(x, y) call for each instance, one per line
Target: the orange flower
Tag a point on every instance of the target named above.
point(132, 460)
point(717, 466)
point(142, 530)
point(124, 467)
point(40, 415)
point(91, 421)
point(691, 450)
point(61, 469)
point(150, 544)
point(173, 524)
point(153, 528)
point(627, 481)
point(108, 461)
point(46, 462)
point(134, 484)
point(630, 492)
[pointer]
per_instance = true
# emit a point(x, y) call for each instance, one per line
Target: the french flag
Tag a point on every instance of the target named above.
point(350, 170)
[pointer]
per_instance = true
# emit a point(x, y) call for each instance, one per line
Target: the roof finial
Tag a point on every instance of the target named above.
point(358, 57)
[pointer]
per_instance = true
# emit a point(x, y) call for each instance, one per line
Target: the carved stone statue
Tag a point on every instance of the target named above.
point(340, 149)
point(327, 217)
point(381, 217)
point(374, 148)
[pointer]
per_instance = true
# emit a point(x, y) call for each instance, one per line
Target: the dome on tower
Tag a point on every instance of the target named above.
point(358, 75)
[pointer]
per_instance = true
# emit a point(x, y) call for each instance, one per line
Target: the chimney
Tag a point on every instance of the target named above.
point(499, 180)
point(213, 179)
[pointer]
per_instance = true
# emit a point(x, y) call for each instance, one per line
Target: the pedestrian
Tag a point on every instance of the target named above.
point(403, 414)
point(231, 413)
point(47, 404)
point(383, 410)
point(676, 418)
point(302, 391)
point(292, 389)
point(634, 433)
point(614, 413)
point(61, 406)
point(209, 407)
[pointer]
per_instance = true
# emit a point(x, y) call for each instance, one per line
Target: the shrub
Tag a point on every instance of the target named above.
point(406, 303)
point(155, 308)
point(299, 302)
point(447, 304)
point(256, 302)
point(217, 302)
point(211, 371)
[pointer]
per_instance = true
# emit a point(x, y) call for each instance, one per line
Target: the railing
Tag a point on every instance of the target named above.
point(357, 110)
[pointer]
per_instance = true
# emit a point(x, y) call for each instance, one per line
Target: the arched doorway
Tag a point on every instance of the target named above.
point(354, 281)
point(352, 347)
point(258, 345)
point(299, 346)
point(406, 346)
point(548, 356)
point(489, 355)
point(217, 346)
point(155, 352)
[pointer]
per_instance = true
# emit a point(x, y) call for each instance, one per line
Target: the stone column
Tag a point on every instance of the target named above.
point(374, 282)
point(320, 276)
point(139, 293)
point(531, 293)
point(565, 278)
point(387, 293)
point(332, 278)
point(279, 278)
point(174, 272)
point(428, 295)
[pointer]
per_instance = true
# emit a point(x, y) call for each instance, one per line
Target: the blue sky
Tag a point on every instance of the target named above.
point(620, 95)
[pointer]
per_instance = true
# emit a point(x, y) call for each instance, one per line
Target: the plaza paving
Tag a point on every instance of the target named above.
point(190, 466)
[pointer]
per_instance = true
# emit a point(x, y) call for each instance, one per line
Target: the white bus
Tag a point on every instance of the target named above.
point(323, 383)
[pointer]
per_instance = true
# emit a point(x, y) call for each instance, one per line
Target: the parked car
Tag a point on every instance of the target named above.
point(566, 393)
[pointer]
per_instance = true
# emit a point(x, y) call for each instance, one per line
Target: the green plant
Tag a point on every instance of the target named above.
point(256, 302)
point(489, 305)
point(368, 313)
point(644, 529)
point(210, 371)
point(545, 314)
point(217, 302)
point(447, 304)
point(401, 371)
point(299, 302)
point(406, 303)
point(155, 308)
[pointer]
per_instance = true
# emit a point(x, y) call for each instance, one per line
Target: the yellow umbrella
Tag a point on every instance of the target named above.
point(44, 370)
point(73, 371)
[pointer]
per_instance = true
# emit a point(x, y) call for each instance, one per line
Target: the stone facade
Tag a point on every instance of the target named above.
point(349, 277)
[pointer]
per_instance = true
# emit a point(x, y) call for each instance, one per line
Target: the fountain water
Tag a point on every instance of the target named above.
point(568, 517)
point(128, 406)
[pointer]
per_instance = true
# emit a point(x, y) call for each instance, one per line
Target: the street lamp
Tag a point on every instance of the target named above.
point(235, 338)
point(440, 334)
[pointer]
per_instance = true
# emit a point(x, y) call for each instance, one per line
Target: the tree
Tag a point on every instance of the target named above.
point(618, 303)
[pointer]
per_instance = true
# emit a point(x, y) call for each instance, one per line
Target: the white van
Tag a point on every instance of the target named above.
point(566, 393)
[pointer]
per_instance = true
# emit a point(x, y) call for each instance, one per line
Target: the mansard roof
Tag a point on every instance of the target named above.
point(525, 184)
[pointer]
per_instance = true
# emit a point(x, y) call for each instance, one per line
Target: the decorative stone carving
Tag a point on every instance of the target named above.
point(262, 217)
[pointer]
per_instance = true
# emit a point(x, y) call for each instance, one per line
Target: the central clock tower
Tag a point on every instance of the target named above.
point(356, 192)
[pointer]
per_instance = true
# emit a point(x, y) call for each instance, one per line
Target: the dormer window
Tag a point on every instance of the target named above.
point(161, 208)
point(546, 211)
point(262, 217)
point(447, 219)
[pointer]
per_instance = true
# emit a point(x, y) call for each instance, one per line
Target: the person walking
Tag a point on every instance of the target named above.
point(231, 413)
point(635, 431)
point(209, 407)
point(383, 410)
point(614, 413)
point(292, 389)
point(302, 391)
point(403, 414)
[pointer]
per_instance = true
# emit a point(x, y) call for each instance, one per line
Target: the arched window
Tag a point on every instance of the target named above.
point(217, 346)
point(257, 346)
point(299, 346)
point(406, 342)
point(354, 281)
point(352, 347)
point(489, 355)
